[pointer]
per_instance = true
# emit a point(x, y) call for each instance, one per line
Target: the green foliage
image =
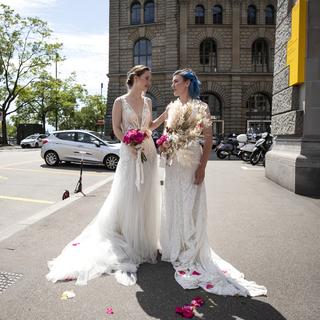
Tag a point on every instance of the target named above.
point(26, 50)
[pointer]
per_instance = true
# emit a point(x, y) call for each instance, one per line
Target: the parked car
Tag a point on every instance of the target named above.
point(33, 141)
point(77, 145)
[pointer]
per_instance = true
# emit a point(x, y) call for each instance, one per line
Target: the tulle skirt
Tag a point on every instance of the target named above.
point(124, 233)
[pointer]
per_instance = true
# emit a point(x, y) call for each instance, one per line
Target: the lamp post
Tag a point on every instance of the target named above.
point(56, 94)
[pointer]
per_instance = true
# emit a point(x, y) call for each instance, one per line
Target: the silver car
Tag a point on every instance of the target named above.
point(33, 141)
point(77, 145)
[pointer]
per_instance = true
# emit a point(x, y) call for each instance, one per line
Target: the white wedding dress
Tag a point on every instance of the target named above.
point(184, 240)
point(124, 233)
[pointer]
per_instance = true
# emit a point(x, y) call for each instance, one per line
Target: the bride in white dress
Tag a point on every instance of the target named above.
point(184, 240)
point(125, 232)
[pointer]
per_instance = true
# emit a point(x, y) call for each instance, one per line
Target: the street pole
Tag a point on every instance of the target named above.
point(56, 94)
point(101, 87)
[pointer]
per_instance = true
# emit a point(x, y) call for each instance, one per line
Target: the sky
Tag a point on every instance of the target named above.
point(82, 27)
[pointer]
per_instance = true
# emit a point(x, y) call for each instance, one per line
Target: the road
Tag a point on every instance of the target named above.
point(29, 186)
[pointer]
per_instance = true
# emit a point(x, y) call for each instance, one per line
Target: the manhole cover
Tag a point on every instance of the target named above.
point(7, 279)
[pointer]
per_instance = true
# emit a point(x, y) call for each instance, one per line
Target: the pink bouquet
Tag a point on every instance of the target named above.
point(164, 138)
point(135, 137)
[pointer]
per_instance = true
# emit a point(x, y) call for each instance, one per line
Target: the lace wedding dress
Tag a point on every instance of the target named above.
point(124, 233)
point(184, 240)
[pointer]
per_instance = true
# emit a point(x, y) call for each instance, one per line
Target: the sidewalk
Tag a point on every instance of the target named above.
point(267, 232)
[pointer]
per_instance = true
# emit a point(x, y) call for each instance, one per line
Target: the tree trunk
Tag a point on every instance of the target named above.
point(4, 130)
point(43, 120)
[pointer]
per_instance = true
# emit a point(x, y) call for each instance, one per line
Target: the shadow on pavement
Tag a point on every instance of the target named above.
point(161, 295)
point(76, 167)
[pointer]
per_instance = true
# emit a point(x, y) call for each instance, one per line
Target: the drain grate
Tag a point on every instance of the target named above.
point(7, 279)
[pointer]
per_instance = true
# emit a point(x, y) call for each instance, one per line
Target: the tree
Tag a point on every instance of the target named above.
point(94, 109)
point(25, 51)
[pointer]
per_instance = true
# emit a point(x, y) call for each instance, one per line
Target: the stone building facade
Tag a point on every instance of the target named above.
point(294, 161)
point(228, 43)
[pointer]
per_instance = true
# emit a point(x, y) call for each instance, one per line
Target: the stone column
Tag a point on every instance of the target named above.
point(183, 33)
point(294, 161)
point(172, 31)
point(235, 36)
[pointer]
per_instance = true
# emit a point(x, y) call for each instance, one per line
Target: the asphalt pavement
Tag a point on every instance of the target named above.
point(264, 230)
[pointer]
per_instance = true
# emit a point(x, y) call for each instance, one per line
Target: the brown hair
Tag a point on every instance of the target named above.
point(138, 71)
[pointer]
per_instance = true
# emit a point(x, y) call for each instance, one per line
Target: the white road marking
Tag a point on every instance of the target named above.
point(19, 163)
point(26, 200)
point(252, 169)
point(48, 211)
point(74, 173)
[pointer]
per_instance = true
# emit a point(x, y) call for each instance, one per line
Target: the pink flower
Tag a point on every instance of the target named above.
point(196, 273)
point(134, 137)
point(181, 272)
point(109, 310)
point(162, 140)
point(197, 302)
point(76, 244)
point(209, 286)
point(186, 311)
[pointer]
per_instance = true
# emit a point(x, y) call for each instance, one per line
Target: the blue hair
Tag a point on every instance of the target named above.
point(194, 87)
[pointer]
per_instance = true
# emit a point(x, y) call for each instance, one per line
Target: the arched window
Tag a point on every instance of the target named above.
point(260, 56)
point(214, 104)
point(270, 16)
point(142, 52)
point(208, 55)
point(217, 14)
point(135, 13)
point(199, 14)
point(252, 15)
point(149, 12)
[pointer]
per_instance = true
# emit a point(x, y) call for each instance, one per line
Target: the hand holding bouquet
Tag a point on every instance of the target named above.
point(185, 124)
point(135, 138)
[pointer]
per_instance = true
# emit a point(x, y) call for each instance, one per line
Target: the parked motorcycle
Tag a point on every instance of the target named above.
point(229, 147)
point(262, 146)
point(247, 149)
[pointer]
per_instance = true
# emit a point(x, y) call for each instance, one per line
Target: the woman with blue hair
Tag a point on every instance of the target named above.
point(183, 239)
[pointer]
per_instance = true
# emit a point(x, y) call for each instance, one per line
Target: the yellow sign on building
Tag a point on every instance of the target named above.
point(296, 49)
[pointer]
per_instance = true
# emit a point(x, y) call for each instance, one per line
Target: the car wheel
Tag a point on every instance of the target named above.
point(51, 158)
point(23, 146)
point(36, 145)
point(111, 161)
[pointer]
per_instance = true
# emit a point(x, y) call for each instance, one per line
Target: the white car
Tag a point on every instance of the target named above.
point(33, 141)
point(77, 145)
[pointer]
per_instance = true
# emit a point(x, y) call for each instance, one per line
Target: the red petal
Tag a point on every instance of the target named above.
point(209, 286)
point(182, 272)
point(179, 310)
point(196, 273)
point(76, 244)
point(109, 310)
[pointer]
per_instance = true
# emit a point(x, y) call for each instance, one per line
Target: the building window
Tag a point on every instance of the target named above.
point(270, 16)
point(259, 106)
point(252, 15)
point(149, 12)
point(260, 56)
point(217, 15)
point(142, 52)
point(135, 13)
point(214, 104)
point(208, 55)
point(199, 14)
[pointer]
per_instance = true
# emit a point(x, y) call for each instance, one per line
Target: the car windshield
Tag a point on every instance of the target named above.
point(32, 137)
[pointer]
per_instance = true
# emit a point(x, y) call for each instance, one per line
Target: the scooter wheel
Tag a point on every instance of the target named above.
point(221, 154)
point(255, 157)
point(245, 156)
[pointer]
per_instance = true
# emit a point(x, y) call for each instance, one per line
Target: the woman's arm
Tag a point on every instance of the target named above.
point(207, 147)
point(117, 119)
